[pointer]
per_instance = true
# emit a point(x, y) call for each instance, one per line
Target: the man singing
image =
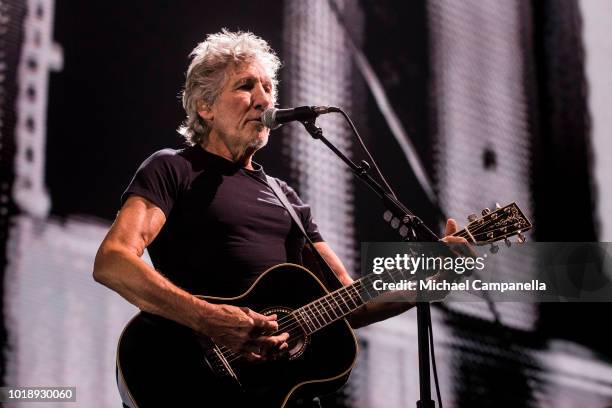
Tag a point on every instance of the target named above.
point(206, 214)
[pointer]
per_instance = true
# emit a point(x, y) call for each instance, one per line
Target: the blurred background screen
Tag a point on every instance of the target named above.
point(463, 104)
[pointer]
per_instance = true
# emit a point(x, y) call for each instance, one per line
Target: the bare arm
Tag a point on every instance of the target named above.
point(118, 266)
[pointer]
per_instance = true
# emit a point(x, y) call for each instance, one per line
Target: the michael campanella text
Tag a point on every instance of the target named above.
point(465, 285)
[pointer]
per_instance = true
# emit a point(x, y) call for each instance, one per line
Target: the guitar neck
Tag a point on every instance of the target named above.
point(342, 302)
point(500, 224)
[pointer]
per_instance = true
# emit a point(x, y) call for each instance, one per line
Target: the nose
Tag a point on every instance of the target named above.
point(261, 99)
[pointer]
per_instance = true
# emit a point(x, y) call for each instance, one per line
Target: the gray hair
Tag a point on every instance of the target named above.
point(206, 74)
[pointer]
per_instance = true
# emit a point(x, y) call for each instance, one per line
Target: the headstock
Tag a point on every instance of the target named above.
point(494, 226)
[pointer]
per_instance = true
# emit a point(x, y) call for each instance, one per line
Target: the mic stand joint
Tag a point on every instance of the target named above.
point(364, 168)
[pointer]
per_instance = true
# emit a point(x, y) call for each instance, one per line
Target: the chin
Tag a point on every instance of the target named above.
point(260, 141)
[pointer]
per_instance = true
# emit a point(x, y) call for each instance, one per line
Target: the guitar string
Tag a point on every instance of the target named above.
point(334, 303)
point(333, 296)
point(480, 227)
point(337, 310)
point(320, 308)
point(358, 288)
point(461, 233)
point(292, 329)
point(336, 296)
point(232, 356)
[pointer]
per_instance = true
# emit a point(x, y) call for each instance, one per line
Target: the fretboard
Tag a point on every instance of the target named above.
point(338, 304)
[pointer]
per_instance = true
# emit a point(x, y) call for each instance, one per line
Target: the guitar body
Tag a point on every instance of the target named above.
point(162, 363)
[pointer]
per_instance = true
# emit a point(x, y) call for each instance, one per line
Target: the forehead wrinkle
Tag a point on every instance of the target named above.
point(238, 69)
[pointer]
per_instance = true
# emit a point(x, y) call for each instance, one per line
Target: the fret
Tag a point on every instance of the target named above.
point(346, 290)
point(306, 319)
point(367, 285)
point(333, 297)
point(295, 315)
point(378, 291)
point(347, 296)
point(344, 301)
point(313, 312)
point(309, 317)
point(370, 285)
point(360, 300)
point(336, 306)
point(321, 309)
point(331, 306)
point(362, 291)
point(390, 273)
point(326, 309)
point(320, 313)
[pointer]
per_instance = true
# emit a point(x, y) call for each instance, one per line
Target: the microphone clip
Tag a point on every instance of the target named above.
point(310, 124)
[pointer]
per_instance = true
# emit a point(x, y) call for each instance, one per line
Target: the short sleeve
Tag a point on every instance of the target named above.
point(303, 210)
point(157, 179)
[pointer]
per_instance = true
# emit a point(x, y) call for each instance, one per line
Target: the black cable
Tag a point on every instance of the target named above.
point(433, 362)
point(365, 149)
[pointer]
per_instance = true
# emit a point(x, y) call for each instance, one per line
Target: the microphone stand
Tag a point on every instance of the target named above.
point(418, 231)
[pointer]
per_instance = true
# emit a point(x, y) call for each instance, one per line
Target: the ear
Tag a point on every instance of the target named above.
point(205, 112)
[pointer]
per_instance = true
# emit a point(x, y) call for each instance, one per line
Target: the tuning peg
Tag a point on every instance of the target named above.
point(472, 217)
point(497, 206)
point(521, 237)
point(403, 231)
point(395, 222)
point(388, 215)
point(486, 211)
point(508, 243)
point(494, 249)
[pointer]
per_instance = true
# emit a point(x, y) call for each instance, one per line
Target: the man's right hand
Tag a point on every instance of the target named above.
point(244, 331)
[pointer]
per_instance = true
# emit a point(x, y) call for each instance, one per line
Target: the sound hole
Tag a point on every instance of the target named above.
point(297, 339)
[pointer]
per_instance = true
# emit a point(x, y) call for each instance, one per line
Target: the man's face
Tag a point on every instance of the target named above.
point(234, 117)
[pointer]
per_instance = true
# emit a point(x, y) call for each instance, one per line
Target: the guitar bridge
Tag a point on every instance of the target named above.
point(219, 365)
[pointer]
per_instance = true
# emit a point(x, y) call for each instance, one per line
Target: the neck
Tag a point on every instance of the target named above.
point(242, 158)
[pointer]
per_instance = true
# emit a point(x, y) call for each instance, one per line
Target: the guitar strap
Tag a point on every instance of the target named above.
point(325, 272)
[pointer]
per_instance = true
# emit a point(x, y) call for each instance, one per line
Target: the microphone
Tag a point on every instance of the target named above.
point(274, 118)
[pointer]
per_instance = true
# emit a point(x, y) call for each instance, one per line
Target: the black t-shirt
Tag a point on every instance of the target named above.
point(224, 224)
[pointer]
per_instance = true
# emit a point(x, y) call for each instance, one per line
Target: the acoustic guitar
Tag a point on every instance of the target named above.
point(161, 363)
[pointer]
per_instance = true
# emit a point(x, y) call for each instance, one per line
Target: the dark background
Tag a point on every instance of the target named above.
point(116, 101)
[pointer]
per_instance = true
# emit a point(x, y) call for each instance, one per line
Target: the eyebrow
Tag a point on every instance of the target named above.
point(252, 78)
